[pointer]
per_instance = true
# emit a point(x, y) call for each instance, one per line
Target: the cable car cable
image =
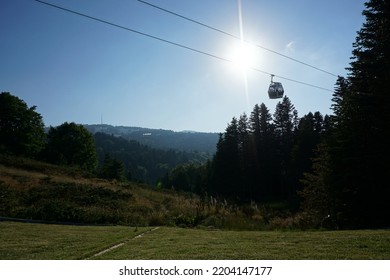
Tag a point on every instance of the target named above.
point(237, 37)
point(172, 43)
point(129, 29)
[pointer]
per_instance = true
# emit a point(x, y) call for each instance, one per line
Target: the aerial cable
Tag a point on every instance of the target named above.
point(237, 37)
point(129, 29)
point(172, 43)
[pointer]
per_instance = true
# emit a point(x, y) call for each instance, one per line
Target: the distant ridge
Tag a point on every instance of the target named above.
point(163, 139)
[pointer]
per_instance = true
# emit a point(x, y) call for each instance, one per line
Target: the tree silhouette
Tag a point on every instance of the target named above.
point(21, 127)
point(71, 144)
point(356, 155)
point(285, 120)
point(112, 168)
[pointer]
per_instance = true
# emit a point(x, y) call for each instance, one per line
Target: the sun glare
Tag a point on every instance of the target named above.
point(243, 56)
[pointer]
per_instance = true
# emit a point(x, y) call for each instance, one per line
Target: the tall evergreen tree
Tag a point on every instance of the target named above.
point(263, 156)
point(254, 121)
point(245, 155)
point(326, 194)
point(285, 120)
point(322, 200)
point(370, 86)
point(340, 100)
point(307, 137)
point(366, 120)
point(226, 177)
point(112, 169)
point(358, 156)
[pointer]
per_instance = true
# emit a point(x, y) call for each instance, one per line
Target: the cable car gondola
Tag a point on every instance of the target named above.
point(275, 89)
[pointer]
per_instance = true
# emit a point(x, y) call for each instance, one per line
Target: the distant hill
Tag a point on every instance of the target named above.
point(188, 141)
point(144, 163)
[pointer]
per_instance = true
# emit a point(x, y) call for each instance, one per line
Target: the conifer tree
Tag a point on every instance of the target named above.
point(226, 166)
point(362, 127)
point(264, 160)
point(307, 136)
point(285, 120)
point(244, 155)
point(112, 168)
point(357, 154)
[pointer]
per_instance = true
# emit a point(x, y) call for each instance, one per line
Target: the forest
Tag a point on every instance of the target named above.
point(330, 169)
point(187, 141)
point(141, 163)
point(259, 158)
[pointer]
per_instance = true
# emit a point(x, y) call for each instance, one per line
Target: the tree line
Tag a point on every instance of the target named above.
point(23, 134)
point(162, 139)
point(259, 158)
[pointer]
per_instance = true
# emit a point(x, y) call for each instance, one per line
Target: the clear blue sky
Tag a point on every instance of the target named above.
point(76, 69)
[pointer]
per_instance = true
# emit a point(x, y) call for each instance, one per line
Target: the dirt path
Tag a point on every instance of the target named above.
point(122, 243)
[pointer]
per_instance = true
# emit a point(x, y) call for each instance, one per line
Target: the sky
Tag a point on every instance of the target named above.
point(79, 70)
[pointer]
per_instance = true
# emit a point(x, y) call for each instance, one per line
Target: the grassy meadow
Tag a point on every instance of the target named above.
point(25, 241)
point(22, 241)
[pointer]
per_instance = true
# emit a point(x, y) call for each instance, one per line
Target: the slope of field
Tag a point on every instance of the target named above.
point(40, 191)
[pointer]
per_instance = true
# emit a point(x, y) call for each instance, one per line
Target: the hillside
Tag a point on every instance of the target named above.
point(143, 163)
point(39, 191)
point(163, 139)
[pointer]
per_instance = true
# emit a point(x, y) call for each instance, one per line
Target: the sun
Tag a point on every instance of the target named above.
point(243, 56)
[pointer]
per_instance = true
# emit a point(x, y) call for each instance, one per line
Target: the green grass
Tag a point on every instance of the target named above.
point(20, 241)
point(177, 243)
point(36, 241)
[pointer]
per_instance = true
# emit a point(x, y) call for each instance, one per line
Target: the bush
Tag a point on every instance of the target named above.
point(186, 221)
point(9, 200)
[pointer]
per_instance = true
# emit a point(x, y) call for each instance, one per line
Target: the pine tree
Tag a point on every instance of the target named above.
point(254, 121)
point(226, 164)
point(357, 155)
point(321, 202)
point(112, 168)
point(285, 120)
point(306, 140)
point(264, 159)
point(244, 151)
point(367, 119)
